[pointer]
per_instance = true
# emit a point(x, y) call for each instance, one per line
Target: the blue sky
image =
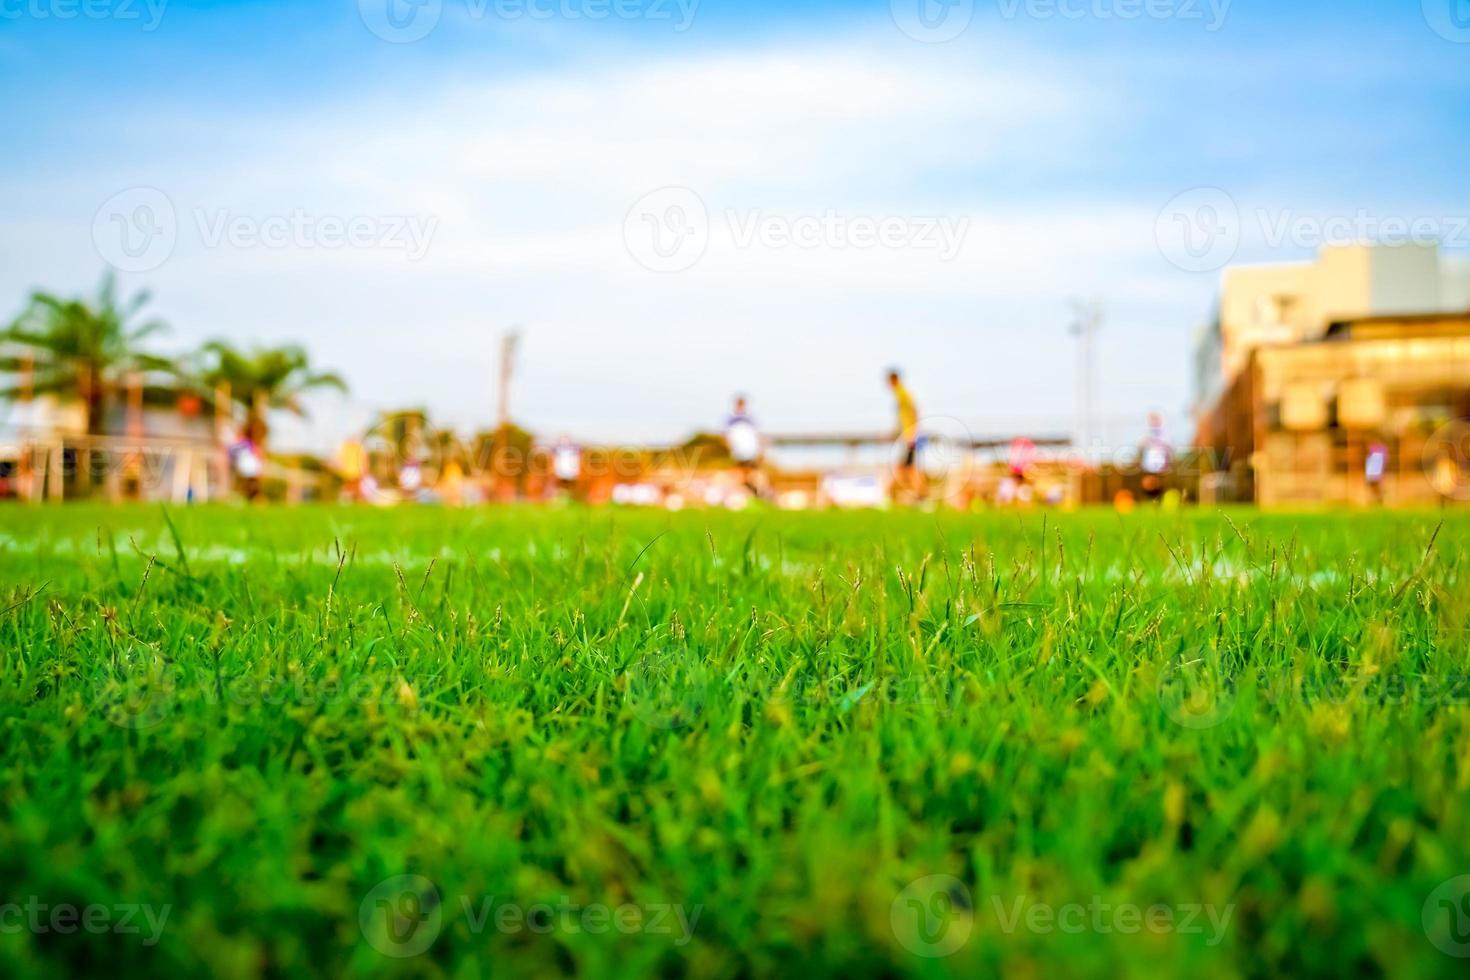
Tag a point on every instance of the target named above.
point(517, 146)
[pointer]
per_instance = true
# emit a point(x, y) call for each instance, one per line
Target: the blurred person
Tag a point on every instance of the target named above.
point(410, 477)
point(1154, 458)
point(451, 483)
point(1446, 477)
point(566, 465)
point(1448, 473)
point(1005, 491)
point(1375, 468)
point(743, 440)
point(908, 480)
point(248, 461)
point(351, 466)
point(1020, 458)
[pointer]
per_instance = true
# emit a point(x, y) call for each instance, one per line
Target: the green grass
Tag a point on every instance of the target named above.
point(782, 727)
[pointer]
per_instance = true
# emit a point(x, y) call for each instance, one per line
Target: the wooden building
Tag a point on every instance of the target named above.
point(1295, 425)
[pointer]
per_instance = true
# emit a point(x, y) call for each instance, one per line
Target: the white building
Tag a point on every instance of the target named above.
point(1296, 302)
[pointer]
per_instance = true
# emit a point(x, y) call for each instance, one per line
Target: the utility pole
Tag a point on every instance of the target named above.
point(507, 368)
point(1087, 320)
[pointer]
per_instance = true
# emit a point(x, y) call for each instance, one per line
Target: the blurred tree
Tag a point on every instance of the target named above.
point(702, 447)
point(261, 379)
point(86, 350)
point(506, 456)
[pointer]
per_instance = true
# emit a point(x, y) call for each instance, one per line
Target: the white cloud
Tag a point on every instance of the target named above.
point(529, 179)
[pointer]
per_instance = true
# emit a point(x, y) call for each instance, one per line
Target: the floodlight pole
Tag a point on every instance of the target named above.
point(507, 368)
point(1087, 320)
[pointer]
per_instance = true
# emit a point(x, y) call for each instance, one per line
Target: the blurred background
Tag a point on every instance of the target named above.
point(472, 250)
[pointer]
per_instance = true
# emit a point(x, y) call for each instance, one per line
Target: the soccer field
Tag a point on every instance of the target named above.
point(524, 741)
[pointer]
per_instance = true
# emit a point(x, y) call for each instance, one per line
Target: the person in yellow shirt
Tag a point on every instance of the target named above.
point(351, 465)
point(907, 477)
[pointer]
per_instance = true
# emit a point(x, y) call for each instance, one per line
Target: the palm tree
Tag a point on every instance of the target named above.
point(86, 350)
point(261, 379)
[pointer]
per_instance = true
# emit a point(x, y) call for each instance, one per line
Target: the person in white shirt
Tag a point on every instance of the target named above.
point(743, 440)
point(566, 464)
point(1375, 468)
point(1155, 457)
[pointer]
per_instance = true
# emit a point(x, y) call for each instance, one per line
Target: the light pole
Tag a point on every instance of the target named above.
point(1087, 319)
point(507, 368)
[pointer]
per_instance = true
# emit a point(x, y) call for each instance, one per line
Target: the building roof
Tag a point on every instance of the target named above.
point(1396, 327)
